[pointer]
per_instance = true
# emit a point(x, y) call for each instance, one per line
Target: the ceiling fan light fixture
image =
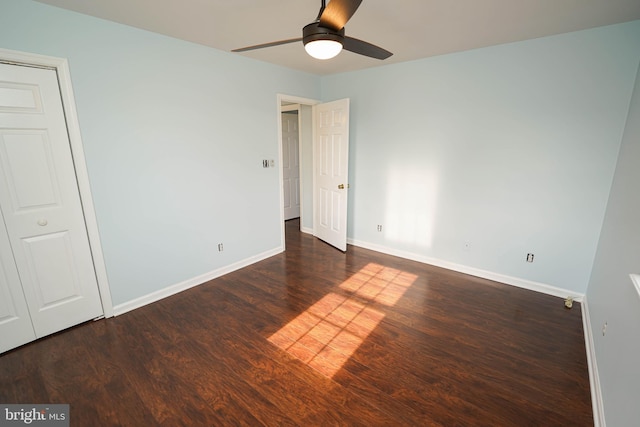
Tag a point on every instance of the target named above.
point(323, 49)
point(324, 38)
point(321, 42)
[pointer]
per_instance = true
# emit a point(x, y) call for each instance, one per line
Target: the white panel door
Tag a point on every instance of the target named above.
point(291, 165)
point(331, 172)
point(40, 202)
point(15, 322)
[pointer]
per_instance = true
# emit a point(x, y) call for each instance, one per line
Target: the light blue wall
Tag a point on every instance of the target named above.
point(611, 296)
point(511, 148)
point(174, 136)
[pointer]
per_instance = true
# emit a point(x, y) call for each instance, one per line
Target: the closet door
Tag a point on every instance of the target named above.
point(40, 202)
point(15, 322)
point(291, 165)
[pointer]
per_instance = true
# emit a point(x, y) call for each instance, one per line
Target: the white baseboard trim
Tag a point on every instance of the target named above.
point(306, 230)
point(594, 378)
point(498, 277)
point(190, 283)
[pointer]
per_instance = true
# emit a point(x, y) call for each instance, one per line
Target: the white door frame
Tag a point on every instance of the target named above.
point(61, 66)
point(281, 98)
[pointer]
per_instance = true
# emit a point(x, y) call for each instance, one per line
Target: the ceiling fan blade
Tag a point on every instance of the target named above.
point(338, 12)
point(260, 46)
point(364, 48)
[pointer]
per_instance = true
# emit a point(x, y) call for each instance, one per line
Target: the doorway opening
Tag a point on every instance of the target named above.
point(299, 189)
point(291, 161)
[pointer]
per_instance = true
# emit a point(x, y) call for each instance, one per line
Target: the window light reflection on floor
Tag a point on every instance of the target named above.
point(327, 334)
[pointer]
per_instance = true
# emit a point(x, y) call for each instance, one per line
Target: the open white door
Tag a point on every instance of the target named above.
point(331, 172)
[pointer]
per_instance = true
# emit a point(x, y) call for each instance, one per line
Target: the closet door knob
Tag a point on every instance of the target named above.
point(42, 222)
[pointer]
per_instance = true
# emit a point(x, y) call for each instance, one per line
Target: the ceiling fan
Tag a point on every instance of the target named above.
point(324, 38)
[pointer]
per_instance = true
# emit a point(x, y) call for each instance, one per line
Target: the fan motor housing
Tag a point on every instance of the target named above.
point(314, 31)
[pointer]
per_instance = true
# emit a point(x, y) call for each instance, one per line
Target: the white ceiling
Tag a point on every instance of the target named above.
point(411, 29)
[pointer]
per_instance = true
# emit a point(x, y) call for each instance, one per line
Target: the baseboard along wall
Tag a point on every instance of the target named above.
point(594, 378)
point(190, 283)
point(497, 277)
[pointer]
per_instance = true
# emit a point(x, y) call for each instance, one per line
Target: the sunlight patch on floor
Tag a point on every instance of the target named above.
point(327, 334)
point(379, 284)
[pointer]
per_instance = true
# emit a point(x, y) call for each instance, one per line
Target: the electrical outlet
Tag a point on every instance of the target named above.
point(379, 227)
point(220, 247)
point(529, 257)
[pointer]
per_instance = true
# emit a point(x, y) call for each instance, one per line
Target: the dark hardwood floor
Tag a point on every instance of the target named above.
point(315, 337)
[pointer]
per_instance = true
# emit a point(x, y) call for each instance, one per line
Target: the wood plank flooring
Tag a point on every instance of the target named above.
point(316, 337)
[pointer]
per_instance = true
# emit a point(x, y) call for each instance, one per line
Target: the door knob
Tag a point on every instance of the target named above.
point(42, 222)
point(341, 187)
